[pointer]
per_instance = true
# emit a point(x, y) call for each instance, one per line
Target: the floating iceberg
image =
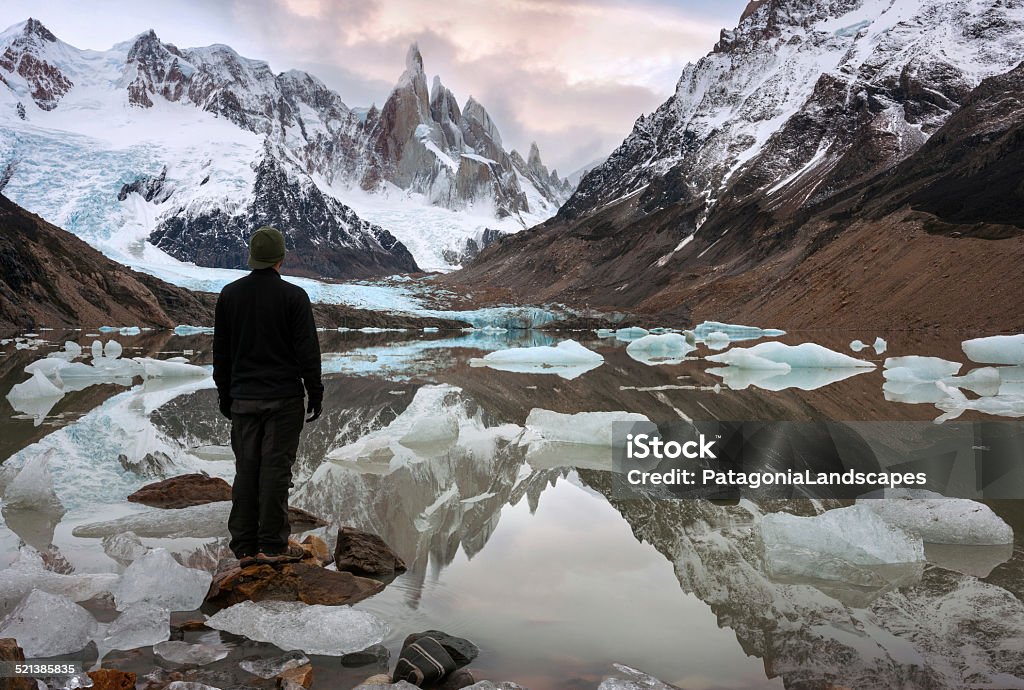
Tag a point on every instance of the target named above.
point(202, 521)
point(191, 654)
point(28, 573)
point(633, 680)
point(880, 345)
point(434, 432)
point(112, 350)
point(996, 349)
point(156, 578)
point(734, 331)
point(193, 330)
point(586, 428)
point(157, 368)
point(47, 624)
point(717, 340)
point(670, 348)
point(803, 356)
point(857, 345)
point(738, 378)
point(32, 488)
point(568, 359)
point(326, 630)
point(835, 544)
point(940, 520)
point(740, 358)
point(140, 625)
point(32, 394)
point(915, 369)
point(124, 547)
point(983, 381)
point(631, 333)
point(49, 367)
point(956, 403)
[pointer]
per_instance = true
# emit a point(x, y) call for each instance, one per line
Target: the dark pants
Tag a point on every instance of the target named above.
point(264, 438)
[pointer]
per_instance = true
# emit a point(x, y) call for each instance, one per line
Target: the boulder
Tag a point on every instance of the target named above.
point(10, 652)
point(461, 650)
point(307, 582)
point(296, 678)
point(112, 679)
point(456, 680)
point(364, 553)
point(183, 491)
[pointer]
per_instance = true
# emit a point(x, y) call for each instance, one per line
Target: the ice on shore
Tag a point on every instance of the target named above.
point(940, 520)
point(585, 428)
point(995, 349)
point(268, 668)
point(735, 332)
point(185, 653)
point(140, 625)
point(633, 680)
point(124, 547)
point(835, 545)
point(28, 573)
point(669, 348)
point(803, 356)
point(313, 629)
point(156, 578)
point(567, 359)
point(47, 624)
point(32, 488)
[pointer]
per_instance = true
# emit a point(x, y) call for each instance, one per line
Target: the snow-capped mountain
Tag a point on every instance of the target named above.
point(776, 145)
point(230, 143)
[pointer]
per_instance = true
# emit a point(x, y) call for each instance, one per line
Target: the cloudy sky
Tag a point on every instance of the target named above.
point(572, 75)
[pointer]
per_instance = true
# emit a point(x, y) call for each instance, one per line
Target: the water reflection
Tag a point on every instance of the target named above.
point(524, 547)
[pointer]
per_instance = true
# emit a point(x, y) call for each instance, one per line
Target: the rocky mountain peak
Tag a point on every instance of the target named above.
point(413, 60)
point(34, 27)
point(533, 160)
point(27, 57)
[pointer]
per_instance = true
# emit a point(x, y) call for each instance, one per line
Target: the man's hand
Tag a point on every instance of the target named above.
point(224, 402)
point(314, 408)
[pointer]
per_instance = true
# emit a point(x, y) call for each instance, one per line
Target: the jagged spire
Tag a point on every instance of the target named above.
point(413, 60)
point(34, 27)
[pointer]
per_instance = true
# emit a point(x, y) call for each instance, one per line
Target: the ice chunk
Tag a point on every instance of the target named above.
point(434, 432)
point(632, 680)
point(327, 630)
point(202, 521)
point(605, 333)
point(1011, 380)
point(956, 403)
point(568, 359)
point(112, 350)
point(734, 331)
point(741, 358)
point(588, 428)
point(193, 330)
point(268, 668)
point(32, 396)
point(717, 340)
point(857, 345)
point(940, 520)
point(191, 654)
point(803, 356)
point(915, 369)
point(157, 578)
point(155, 368)
point(430, 329)
point(124, 547)
point(983, 381)
point(47, 624)
point(835, 544)
point(48, 367)
point(670, 348)
point(996, 349)
point(631, 333)
point(28, 573)
point(96, 349)
point(738, 378)
point(140, 625)
point(32, 488)
point(880, 345)
point(111, 367)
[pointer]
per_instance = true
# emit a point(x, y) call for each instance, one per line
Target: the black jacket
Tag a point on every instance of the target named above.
point(265, 344)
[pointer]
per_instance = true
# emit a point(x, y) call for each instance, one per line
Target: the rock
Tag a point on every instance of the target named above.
point(383, 679)
point(377, 654)
point(317, 550)
point(112, 679)
point(305, 582)
point(461, 678)
point(295, 678)
point(11, 653)
point(364, 553)
point(276, 666)
point(423, 661)
point(461, 651)
point(183, 491)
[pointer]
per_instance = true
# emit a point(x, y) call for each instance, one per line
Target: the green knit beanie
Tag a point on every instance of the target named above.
point(266, 247)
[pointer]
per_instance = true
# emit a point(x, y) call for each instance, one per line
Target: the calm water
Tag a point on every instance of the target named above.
point(528, 552)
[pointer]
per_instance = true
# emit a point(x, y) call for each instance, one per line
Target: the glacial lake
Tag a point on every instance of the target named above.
point(523, 547)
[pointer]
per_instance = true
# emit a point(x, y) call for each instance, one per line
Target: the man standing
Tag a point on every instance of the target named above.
point(265, 352)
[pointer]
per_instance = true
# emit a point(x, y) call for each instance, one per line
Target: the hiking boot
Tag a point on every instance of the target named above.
point(246, 560)
point(291, 554)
